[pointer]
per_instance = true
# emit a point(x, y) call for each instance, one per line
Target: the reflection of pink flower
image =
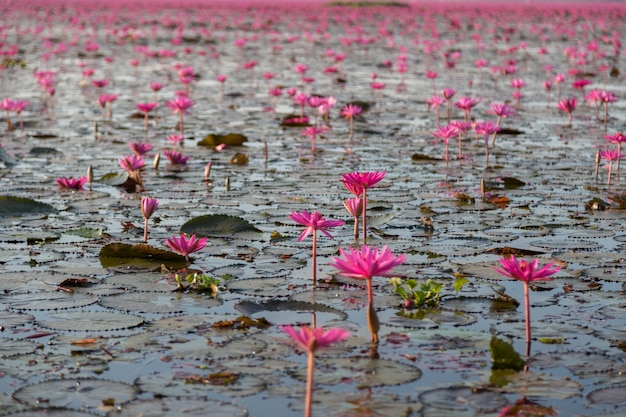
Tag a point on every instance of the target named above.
point(72, 183)
point(185, 246)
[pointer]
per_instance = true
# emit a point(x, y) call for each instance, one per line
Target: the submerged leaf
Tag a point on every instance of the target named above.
point(503, 356)
point(221, 225)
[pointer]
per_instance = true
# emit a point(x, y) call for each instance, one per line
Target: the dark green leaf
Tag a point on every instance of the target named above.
point(503, 356)
point(19, 206)
point(221, 225)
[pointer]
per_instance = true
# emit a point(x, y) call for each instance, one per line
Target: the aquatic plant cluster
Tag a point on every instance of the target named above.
point(133, 287)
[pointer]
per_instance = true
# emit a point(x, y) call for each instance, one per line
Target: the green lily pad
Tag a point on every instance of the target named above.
point(230, 139)
point(220, 225)
point(114, 178)
point(11, 206)
point(140, 256)
point(249, 308)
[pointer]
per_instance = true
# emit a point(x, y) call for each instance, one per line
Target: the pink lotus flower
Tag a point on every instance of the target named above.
point(148, 207)
point(18, 106)
point(355, 208)
point(314, 222)
point(185, 246)
point(139, 148)
point(610, 155)
point(310, 340)
point(175, 140)
point(446, 133)
point(175, 158)
point(132, 163)
point(351, 111)
point(526, 272)
point(180, 105)
point(466, 104)
point(568, 105)
point(367, 263)
point(146, 108)
point(100, 83)
point(71, 183)
point(313, 131)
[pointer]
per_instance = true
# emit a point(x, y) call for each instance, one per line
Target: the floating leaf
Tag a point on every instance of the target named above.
point(220, 225)
point(615, 396)
point(177, 407)
point(511, 183)
point(47, 300)
point(11, 206)
point(114, 178)
point(465, 399)
point(250, 308)
point(10, 347)
point(87, 393)
point(90, 321)
point(503, 356)
point(139, 255)
point(363, 371)
point(230, 139)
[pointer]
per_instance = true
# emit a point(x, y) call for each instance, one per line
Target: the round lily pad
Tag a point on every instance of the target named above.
point(88, 393)
point(220, 225)
point(139, 256)
point(365, 372)
point(175, 407)
point(11, 347)
point(90, 321)
point(463, 399)
point(48, 300)
point(11, 206)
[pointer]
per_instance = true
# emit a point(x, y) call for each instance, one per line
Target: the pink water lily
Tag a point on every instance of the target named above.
point(355, 208)
point(186, 245)
point(139, 148)
point(310, 340)
point(314, 222)
point(180, 105)
point(351, 111)
point(358, 183)
point(568, 105)
point(146, 108)
point(148, 207)
point(71, 183)
point(132, 163)
point(527, 272)
point(366, 263)
point(176, 158)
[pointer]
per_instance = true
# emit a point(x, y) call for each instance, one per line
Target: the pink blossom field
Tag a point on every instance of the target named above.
point(198, 198)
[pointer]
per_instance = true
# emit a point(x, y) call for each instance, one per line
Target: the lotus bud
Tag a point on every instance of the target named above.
point(157, 159)
point(89, 176)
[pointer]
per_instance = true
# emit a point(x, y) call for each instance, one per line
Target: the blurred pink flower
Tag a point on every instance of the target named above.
point(131, 162)
point(71, 183)
point(139, 148)
point(313, 222)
